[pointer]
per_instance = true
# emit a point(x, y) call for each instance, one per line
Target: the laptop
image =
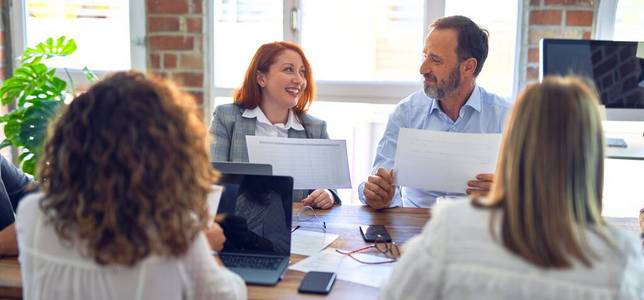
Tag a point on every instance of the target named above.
point(226, 167)
point(257, 223)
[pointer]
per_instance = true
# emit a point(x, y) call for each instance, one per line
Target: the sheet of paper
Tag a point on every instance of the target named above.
point(310, 242)
point(640, 50)
point(346, 267)
point(213, 202)
point(443, 161)
point(313, 163)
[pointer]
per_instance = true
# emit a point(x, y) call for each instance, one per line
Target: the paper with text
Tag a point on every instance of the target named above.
point(443, 161)
point(313, 163)
point(347, 268)
point(309, 243)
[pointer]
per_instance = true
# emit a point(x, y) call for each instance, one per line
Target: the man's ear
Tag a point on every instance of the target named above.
point(261, 79)
point(469, 65)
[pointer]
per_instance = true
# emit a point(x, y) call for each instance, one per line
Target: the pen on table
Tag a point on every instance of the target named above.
point(295, 228)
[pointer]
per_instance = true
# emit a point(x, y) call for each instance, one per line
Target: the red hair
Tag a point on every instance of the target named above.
point(250, 94)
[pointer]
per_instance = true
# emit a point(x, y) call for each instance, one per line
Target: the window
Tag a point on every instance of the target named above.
point(620, 20)
point(111, 30)
point(628, 21)
point(365, 55)
point(498, 71)
point(368, 40)
point(240, 26)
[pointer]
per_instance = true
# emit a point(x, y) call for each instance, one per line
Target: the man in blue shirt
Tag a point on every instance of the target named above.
point(454, 53)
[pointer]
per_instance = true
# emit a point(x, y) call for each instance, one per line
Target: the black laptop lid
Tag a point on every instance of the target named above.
point(226, 167)
point(258, 211)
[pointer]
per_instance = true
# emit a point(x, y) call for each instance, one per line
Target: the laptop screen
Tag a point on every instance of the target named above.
point(258, 212)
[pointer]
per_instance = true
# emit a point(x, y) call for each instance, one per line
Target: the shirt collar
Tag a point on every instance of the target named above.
point(474, 101)
point(257, 112)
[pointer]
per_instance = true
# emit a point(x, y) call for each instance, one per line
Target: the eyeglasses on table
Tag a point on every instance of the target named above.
point(390, 250)
point(307, 214)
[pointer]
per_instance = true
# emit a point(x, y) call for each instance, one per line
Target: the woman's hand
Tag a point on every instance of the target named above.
point(216, 237)
point(320, 198)
point(481, 186)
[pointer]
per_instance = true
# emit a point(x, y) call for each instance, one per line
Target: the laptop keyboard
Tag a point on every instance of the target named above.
point(253, 262)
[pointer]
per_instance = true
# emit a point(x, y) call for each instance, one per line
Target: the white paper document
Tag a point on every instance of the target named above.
point(443, 161)
point(640, 50)
point(310, 242)
point(213, 202)
point(313, 163)
point(347, 268)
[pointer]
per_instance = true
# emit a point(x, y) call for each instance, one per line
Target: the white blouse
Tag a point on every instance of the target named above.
point(264, 127)
point(455, 257)
point(52, 270)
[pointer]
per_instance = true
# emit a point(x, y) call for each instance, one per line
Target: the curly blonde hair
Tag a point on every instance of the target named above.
point(126, 170)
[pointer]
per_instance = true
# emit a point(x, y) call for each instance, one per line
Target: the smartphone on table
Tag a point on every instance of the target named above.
point(317, 282)
point(374, 233)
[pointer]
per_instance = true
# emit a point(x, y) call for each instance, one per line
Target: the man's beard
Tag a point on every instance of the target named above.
point(443, 87)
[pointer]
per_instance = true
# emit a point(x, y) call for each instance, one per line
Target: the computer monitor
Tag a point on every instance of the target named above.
point(613, 66)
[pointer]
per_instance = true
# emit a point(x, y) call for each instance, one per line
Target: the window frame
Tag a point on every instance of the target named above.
point(138, 50)
point(376, 92)
point(605, 21)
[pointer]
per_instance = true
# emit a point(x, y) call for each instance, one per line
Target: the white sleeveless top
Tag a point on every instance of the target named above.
point(50, 270)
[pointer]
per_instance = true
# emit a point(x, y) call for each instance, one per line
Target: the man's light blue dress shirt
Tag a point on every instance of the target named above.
point(483, 112)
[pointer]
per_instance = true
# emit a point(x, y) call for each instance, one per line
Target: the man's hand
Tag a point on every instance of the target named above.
point(481, 186)
point(216, 237)
point(379, 189)
point(320, 198)
point(8, 241)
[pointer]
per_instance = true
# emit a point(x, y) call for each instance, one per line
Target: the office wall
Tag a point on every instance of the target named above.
point(573, 19)
point(175, 42)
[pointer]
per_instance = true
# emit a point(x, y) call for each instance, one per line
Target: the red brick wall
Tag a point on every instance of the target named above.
point(572, 19)
point(175, 42)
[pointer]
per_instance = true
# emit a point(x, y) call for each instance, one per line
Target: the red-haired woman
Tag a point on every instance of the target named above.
point(278, 89)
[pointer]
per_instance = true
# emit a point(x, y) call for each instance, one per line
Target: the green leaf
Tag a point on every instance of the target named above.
point(5, 143)
point(12, 127)
point(50, 48)
point(35, 122)
point(90, 75)
point(30, 81)
point(28, 163)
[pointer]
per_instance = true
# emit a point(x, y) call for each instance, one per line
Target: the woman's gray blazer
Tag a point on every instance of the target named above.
point(229, 130)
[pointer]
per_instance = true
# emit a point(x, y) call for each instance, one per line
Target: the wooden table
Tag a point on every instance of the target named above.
point(402, 224)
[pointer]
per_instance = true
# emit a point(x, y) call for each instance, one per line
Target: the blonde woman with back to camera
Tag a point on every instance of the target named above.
point(539, 234)
point(125, 174)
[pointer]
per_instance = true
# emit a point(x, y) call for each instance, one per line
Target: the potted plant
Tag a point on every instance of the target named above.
point(37, 94)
